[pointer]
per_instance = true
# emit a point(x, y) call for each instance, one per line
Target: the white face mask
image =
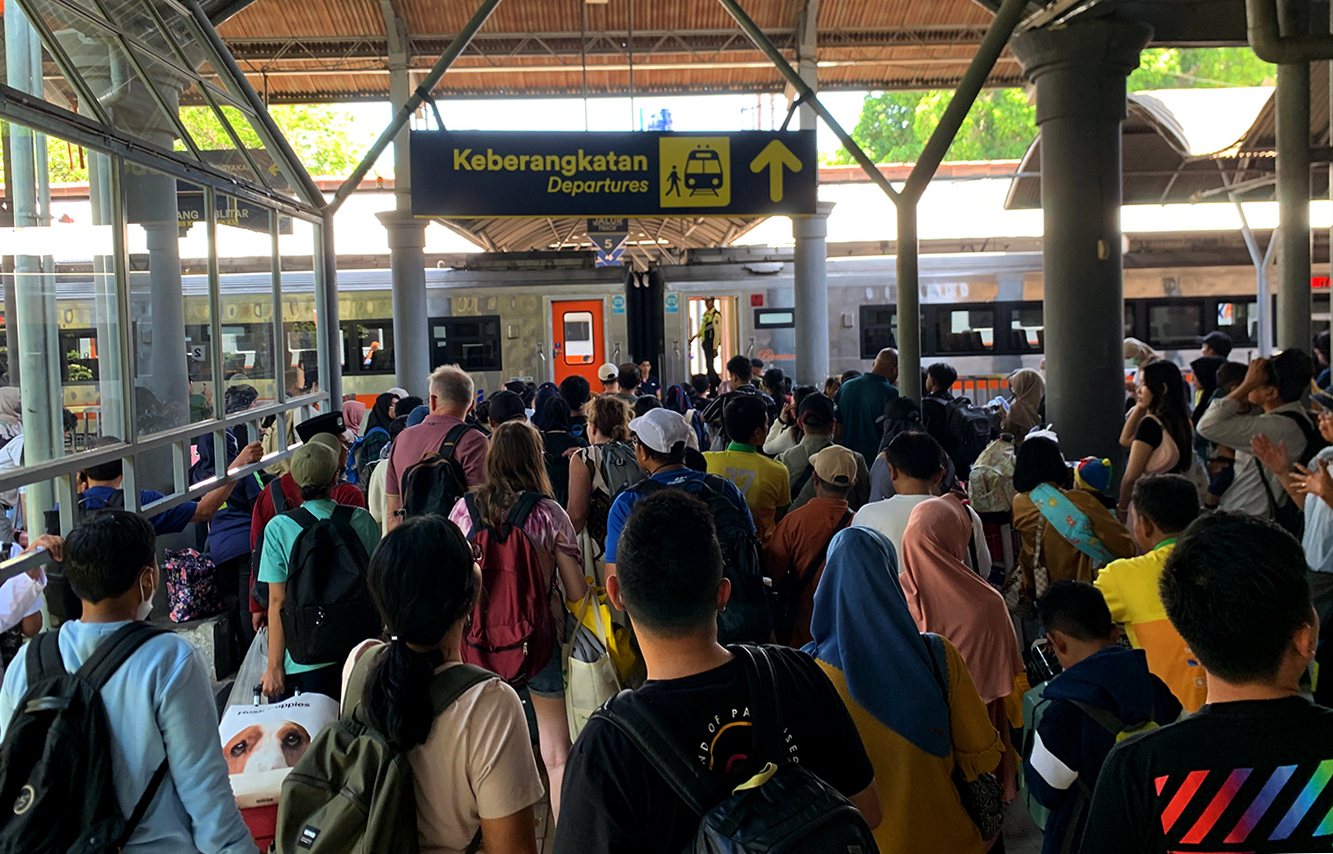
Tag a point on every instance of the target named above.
point(146, 606)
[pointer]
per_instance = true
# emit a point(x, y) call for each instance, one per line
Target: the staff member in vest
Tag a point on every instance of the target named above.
point(315, 469)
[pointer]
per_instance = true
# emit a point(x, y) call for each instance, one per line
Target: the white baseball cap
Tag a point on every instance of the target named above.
point(661, 429)
point(607, 372)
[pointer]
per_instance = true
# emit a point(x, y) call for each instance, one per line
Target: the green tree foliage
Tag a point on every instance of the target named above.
point(318, 133)
point(894, 126)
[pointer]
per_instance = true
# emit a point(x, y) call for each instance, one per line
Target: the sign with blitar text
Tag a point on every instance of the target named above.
point(640, 174)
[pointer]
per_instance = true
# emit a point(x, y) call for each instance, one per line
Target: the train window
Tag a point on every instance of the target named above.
point(578, 338)
point(879, 329)
point(247, 350)
point(768, 318)
point(1027, 330)
point(374, 346)
point(1239, 320)
point(78, 349)
point(1129, 328)
point(966, 330)
point(472, 343)
point(1175, 324)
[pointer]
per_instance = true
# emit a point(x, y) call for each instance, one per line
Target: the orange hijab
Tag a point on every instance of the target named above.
point(949, 599)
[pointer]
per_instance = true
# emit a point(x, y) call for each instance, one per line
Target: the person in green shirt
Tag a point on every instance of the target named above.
point(315, 469)
point(710, 328)
point(861, 404)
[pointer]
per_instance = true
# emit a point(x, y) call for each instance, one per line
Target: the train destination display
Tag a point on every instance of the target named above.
point(599, 174)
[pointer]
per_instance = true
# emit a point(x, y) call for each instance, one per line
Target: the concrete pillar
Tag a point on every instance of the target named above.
point(811, 287)
point(908, 270)
point(407, 263)
point(1079, 71)
point(1293, 200)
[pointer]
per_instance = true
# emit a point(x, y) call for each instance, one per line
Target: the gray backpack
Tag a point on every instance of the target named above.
point(352, 791)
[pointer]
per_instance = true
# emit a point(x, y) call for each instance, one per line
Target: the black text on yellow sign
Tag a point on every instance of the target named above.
point(520, 174)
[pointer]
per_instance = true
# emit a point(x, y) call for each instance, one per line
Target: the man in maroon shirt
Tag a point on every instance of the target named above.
point(326, 429)
point(451, 398)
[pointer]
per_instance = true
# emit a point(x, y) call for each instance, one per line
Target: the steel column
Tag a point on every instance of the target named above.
point(1080, 73)
point(1293, 200)
point(909, 303)
point(810, 283)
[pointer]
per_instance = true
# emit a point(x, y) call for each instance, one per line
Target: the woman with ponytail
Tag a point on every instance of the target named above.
point(472, 765)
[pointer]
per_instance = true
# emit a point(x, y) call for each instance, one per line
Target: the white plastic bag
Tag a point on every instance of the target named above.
point(251, 672)
point(591, 677)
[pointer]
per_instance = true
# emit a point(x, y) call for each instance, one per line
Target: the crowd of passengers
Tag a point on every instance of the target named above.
point(916, 584)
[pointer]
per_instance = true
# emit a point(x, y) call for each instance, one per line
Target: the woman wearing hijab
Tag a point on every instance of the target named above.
point(949, 599)
point(381, 415)
point(559, 443)
point(1024, 410)
point(354, 413)
point(891, 678)
point(545, 393)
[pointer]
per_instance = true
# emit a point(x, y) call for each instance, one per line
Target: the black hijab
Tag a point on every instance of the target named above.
point(379, 415)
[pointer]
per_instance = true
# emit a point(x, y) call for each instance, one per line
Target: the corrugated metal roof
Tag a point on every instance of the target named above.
point(336, 49)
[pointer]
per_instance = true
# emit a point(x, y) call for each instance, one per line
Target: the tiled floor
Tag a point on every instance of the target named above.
point(1021, 834)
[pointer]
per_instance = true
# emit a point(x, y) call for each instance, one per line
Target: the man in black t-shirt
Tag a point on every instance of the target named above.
point(1250, 770)
point(669, 578)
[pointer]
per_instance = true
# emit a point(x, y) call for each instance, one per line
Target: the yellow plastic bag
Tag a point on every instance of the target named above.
point(594, 611)
point(590, 675)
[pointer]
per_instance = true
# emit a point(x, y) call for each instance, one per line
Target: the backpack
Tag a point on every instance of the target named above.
point(328, 609)
point(782, 809)
point(351, 791)
point(991, 482)
point(1034, 708)
point(747, 617)
point(620, 470)
point(192, 586)
point(787, 593)
point(436, 482)
point(88, 506)
point(969, 427)
point(259, 589)
point(512, 631)
point(1314, 442)
point(55, 762)
point(365, 455)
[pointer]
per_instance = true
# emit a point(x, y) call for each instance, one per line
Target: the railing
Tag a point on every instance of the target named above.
point(982, 389)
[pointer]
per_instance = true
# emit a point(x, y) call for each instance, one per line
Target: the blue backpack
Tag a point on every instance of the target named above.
point(363, 456)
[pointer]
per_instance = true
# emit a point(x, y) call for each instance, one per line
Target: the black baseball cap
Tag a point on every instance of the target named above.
point(329, 422)
point(1219, 341)
point(815, 409)
point(506, 406)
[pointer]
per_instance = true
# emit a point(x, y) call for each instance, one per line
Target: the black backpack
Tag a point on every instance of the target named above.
point(435, 484)
point(1314, 441)
point(55, 763)
point(969, 426)
point(328, 609)
point(747, 617)
point(789, 812)
point(89, 506)
point(259, 589)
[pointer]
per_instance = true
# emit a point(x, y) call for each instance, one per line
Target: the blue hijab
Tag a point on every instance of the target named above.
point(862, 627)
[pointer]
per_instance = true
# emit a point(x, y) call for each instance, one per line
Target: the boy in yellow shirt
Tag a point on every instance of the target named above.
point(762, 481)
point(1164, 506)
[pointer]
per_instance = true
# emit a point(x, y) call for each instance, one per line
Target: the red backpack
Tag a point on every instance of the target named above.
point(512, 633)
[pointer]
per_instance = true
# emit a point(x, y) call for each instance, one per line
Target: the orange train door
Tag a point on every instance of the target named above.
point(577, 339)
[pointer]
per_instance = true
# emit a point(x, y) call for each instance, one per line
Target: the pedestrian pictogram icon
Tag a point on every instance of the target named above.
point(695, 171)
point(774, 157)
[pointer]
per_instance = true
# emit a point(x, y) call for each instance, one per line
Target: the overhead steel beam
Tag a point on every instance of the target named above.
point(807, 94)
point(404, 113)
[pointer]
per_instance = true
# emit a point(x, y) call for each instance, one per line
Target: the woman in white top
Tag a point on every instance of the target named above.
point(472, 766)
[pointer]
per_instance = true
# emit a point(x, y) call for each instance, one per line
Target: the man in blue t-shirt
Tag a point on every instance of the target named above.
point(100, 484)
point(660, 437)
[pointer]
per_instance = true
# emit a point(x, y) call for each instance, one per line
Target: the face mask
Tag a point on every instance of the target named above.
point(146, 606)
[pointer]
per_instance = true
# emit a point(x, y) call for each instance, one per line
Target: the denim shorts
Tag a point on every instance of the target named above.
point(550, 681)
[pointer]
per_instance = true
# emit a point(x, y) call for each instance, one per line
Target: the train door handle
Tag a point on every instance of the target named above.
point(750, 352)
point(541, 352)
point(616, 358)
point(675, 347)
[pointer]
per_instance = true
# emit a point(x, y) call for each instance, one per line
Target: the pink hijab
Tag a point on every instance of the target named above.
point(354, 412)
point(949, 599)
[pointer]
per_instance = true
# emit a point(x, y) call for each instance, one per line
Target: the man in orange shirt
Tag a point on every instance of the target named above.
point(1164, 506)
point(794, 556)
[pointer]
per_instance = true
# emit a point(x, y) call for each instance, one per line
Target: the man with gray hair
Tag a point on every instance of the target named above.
point(451, 398)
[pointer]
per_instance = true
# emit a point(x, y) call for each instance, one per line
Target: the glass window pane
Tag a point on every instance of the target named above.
point(879, 329)
point(299, 349)
point(169, 302)
point(248, 353)
point(472, 343)
point(966, 331)
point(1027, 329)
point(67, 307)
point(578, 338)
point(374, 346)
point(1175, 324)
point(1237, 321)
